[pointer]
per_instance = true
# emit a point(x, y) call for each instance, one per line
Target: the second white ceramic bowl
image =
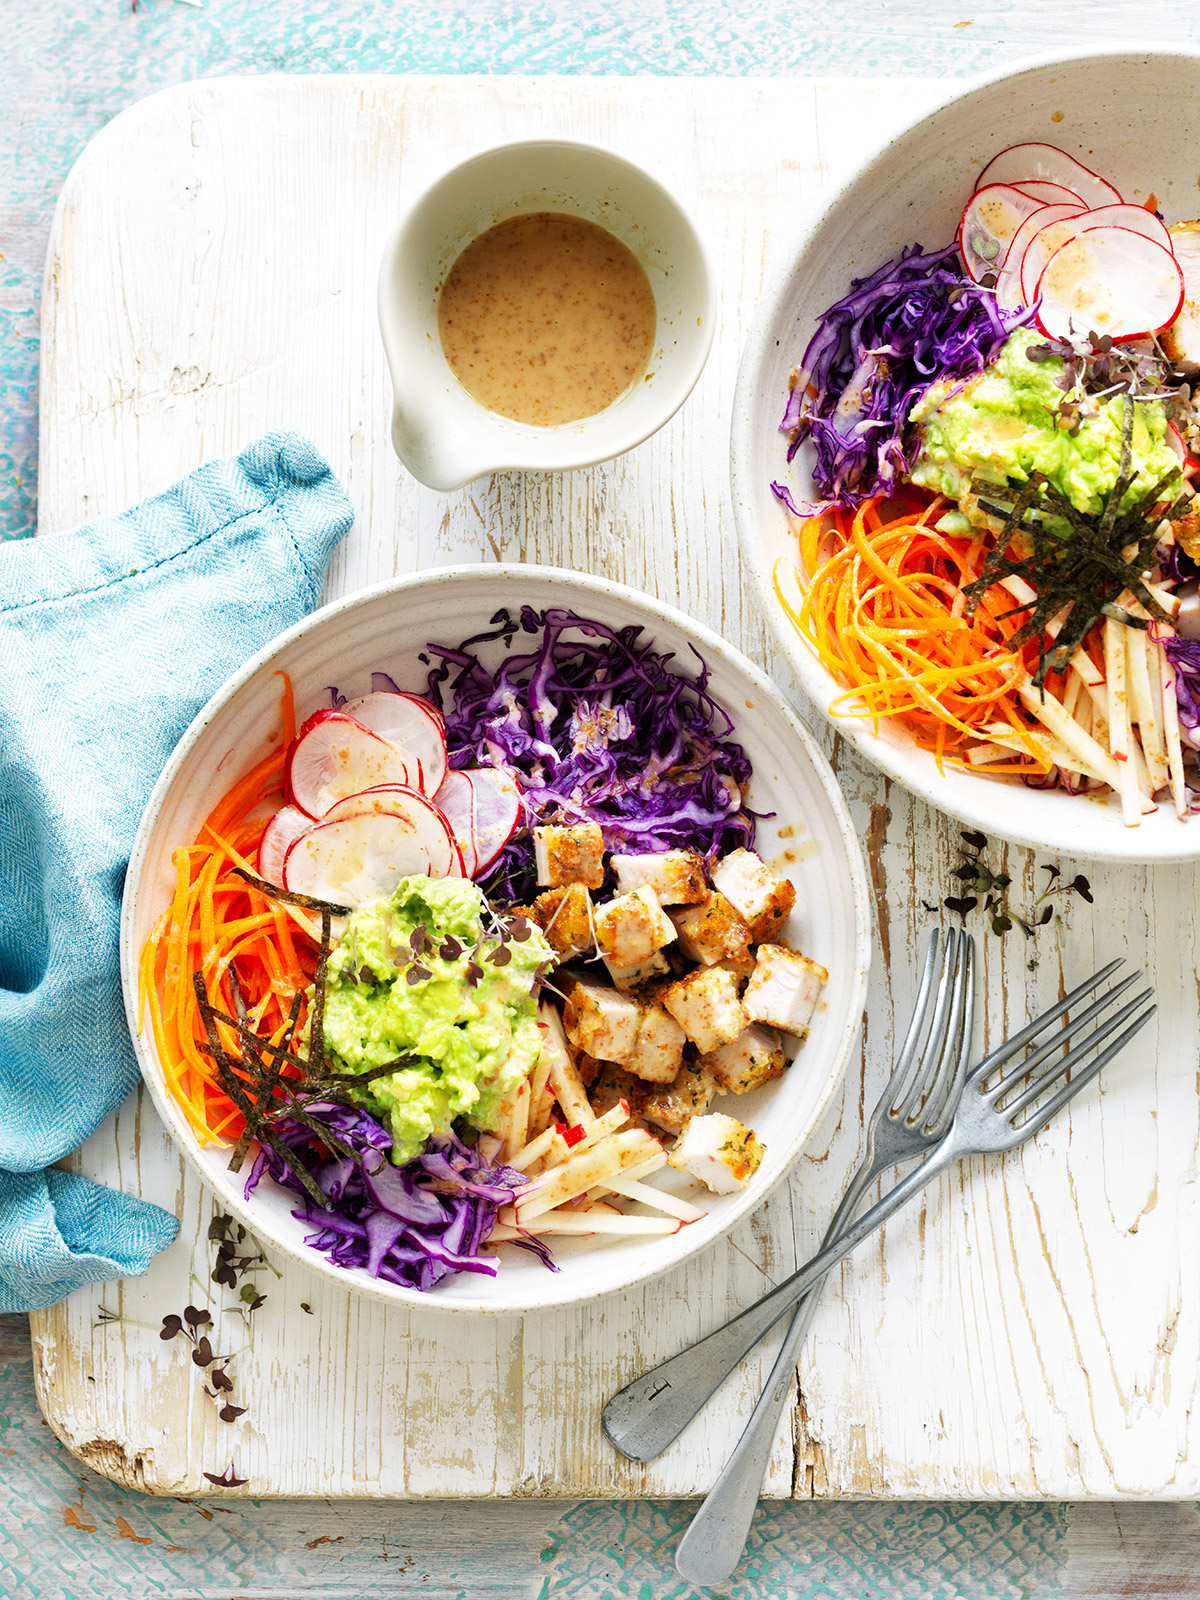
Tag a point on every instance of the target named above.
point(1132, 115)
point(808, 834)
point(445, 437)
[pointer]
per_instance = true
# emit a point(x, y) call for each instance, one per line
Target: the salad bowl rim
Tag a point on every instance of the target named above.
point(1120, 845)
point(646, 609)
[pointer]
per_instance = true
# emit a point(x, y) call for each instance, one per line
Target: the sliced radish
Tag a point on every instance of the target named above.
point(1053, 234)
point(358, 859)
point(497, 812)
point(1136, 218)
point(456, 801)
point(284, 828)
point(990, 219)
point(335, 755)
point(1028, 163)
point(1009, 293)
point(1050, 194)
point(412, 725)
point(1109, 281)
point(427, 821)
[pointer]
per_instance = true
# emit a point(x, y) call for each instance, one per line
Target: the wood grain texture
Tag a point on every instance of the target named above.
point(1032, 1329)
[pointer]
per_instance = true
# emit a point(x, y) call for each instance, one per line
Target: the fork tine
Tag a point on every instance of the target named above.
point(909, 1098)
point(956, 1049)
point(1068, 1091)
point(1084, 1048)
point(1026, 1066)
point(908, 1060)
point(1009, 1048)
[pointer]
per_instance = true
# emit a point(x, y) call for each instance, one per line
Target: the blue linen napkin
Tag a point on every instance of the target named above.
point(111, 639)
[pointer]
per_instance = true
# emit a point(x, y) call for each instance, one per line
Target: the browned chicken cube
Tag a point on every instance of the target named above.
point(676, 876)
point(712, 931)
point(755, 1056)
point(658, 1048)
point(762, 896)
point(601, 1021)
point(672, 1106)
point(705, 1004)
point(632, 927)
point(565, 917)
point(573, 854)
point(612, 1084)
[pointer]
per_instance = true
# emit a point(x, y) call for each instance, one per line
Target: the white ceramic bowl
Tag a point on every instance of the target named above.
point(811, 836)
point(445, 437)
point(1132, 115)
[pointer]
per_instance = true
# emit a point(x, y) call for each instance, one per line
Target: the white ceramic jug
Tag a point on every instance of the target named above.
point(444, 436)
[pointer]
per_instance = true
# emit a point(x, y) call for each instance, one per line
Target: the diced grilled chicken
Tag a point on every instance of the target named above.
point(658, 1048)
point(565, 917)
point(706, 1006)
point(572, 854)
point(712, 931)
point(632, 927)
point(613, 1083)
point(762, 896)
point(601, 1021)
point(784, 990)
point(676, 876)
point(719, 1151)
point(755, 1056)
point(673, 1106)
point(1181, 341)
point(632, 978)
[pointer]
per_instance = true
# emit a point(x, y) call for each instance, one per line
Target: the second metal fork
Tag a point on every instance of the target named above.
point(917, 1102)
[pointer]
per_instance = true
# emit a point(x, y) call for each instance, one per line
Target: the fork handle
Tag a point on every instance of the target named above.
point(712, 1545)
point(646, 1415)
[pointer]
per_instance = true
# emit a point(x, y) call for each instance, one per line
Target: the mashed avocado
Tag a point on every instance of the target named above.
point(389, 996)
point(1000, 426)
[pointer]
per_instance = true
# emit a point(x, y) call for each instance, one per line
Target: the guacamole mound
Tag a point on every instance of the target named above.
point(474, 1041)
point(1000, 426)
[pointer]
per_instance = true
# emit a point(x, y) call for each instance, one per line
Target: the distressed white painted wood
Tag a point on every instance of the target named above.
point(1032, 1329)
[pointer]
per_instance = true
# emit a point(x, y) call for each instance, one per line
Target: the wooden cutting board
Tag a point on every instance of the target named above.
point(1033, 1327)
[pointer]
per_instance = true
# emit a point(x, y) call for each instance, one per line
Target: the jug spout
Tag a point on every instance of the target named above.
point(437, 449)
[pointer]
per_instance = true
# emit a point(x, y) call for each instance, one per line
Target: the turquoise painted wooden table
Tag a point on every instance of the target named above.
point(64, 1531)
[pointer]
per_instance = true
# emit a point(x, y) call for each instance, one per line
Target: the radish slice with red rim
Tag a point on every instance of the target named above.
point(990, 219)
point(284, 828)
point(1009, 291)
point(497, 812)
point(1109, 281)
point(1050, 194)
point(335, 755)
point(1029, 163)
point(1051, 236)
point(357, 859)
point(412, 724)
point(456, 801)
point(1136, 218)
point(396, 800)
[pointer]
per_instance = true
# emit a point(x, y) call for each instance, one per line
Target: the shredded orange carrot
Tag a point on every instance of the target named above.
point(884, 611)
point(216, 923)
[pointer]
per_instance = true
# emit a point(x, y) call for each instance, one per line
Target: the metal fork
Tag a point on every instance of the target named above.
point(910, 1118)
point(988, 1120)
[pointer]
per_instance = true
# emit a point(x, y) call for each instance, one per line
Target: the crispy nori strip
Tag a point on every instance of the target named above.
point(233, 1087)
point(276, 1056)
point(1082, 571)
point(287, 898)
point(316, 1014)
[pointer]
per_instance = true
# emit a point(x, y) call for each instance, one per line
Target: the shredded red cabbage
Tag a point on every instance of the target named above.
point(601, 728)
point(914, 320)
point(1184, 656)
point(413, 1225)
